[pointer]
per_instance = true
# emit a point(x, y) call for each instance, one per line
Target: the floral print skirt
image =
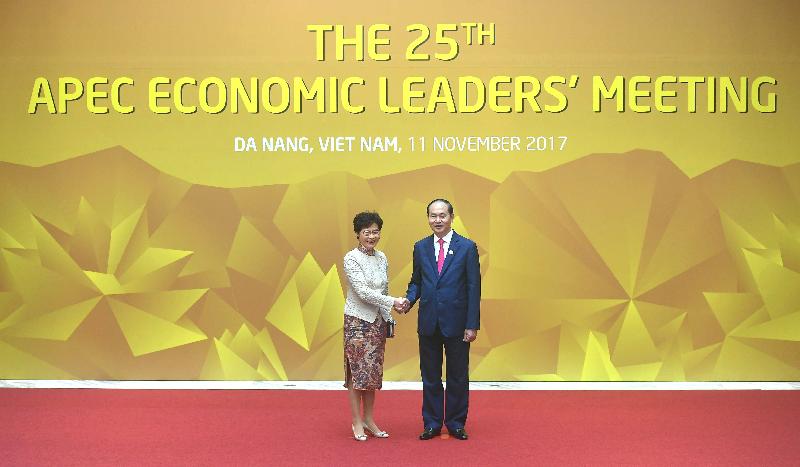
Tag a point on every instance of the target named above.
point(364, 344)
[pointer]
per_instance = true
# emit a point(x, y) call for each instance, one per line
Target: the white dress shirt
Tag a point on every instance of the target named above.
point(446, 239)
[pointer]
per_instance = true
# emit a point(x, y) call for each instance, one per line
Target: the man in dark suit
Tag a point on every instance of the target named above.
point(446, 280)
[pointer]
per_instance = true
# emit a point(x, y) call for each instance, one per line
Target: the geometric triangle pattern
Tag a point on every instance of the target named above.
point(612, 267)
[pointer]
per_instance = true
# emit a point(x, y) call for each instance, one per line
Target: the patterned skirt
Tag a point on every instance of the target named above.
point(364, 344)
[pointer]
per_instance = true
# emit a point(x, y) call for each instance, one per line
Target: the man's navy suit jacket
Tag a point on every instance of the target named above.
point(450, 299)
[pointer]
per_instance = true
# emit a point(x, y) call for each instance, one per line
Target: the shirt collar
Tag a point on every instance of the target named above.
point(447, 238)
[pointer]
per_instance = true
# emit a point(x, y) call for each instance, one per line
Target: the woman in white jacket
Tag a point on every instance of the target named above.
point(367, 310)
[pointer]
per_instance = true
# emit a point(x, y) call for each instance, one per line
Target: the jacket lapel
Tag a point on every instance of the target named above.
point(429, 255)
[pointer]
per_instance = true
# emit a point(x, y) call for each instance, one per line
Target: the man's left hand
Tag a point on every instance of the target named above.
point(470, 335)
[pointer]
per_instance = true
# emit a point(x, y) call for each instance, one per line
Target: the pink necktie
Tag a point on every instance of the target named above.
point(440, 261)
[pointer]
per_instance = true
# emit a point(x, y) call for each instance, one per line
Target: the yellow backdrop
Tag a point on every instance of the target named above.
point(653, 247)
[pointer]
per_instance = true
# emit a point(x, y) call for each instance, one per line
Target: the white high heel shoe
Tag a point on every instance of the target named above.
point(359, 437)
point(377, 434)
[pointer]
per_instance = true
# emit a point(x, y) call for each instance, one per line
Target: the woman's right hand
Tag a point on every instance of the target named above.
point(401, 304)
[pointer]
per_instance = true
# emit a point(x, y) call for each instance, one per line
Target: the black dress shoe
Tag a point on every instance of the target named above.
point(429, 433)
point(459, 433)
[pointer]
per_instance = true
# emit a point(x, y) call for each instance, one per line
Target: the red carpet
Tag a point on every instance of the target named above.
point(272, 427)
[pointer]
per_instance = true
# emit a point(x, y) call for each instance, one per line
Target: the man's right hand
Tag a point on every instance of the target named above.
point(402, 305)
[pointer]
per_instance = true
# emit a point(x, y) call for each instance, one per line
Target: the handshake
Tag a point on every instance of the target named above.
point(402, 305)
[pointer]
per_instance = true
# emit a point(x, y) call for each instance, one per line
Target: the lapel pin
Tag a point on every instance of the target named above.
point(450, 252)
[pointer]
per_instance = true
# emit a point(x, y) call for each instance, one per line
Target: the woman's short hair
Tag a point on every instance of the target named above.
point(366, 219)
